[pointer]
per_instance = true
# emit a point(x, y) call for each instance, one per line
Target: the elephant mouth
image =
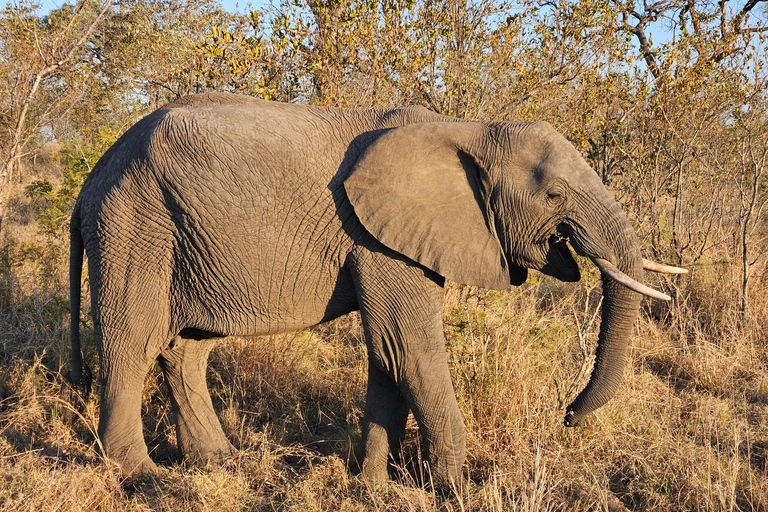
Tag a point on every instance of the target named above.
point(560, 263)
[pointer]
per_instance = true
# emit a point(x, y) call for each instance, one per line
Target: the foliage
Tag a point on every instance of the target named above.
point(54, 205)
point(255, 64)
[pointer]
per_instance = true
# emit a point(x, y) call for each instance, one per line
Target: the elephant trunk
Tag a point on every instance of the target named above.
point(611, 238)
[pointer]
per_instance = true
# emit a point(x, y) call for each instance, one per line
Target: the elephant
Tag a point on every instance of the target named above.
point(222, 214)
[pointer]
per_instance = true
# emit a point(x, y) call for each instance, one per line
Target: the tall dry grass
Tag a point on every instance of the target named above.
point(687, 430)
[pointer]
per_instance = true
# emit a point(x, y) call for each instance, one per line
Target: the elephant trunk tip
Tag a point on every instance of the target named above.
point(572, 419)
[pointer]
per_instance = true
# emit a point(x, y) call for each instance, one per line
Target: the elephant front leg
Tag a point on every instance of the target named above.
point(386, 412)
point(428, 388)
point(401, 307)
point(198, 430)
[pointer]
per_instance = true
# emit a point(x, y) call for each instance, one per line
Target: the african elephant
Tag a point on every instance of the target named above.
point(225, 215)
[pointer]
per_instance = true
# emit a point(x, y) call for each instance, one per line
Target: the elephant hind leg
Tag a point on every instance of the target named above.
point(198, 431)
point(131, 318)
point(124, 365)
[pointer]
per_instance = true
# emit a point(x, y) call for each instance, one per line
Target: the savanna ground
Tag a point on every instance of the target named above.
point(678, 130)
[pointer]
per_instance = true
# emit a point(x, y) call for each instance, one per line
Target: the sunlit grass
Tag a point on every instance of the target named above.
point(688, 429)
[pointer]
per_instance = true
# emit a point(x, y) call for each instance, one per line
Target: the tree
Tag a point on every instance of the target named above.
point(711, 30)
point(45, 46)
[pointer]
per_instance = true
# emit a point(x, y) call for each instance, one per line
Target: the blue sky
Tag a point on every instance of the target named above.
point(232, 5)
point(243, 6)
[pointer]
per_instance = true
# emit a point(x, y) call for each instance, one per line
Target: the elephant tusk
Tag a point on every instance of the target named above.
point(662, 268)
point(609, 269)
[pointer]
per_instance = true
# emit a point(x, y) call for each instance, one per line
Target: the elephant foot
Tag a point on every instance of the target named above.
point(132, 459)
point(381, 448)
point(137, 468)
point(374, 474)
point(145, 477)
point(211, 453)
point(202, 440)
point(447, 483)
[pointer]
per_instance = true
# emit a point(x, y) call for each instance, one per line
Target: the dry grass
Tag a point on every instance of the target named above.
point(688, 429)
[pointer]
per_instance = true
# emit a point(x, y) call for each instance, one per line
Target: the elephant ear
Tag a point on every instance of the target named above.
point(418, 192)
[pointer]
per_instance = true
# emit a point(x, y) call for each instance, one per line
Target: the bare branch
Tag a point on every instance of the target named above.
point(736, 22)
point(652, 13)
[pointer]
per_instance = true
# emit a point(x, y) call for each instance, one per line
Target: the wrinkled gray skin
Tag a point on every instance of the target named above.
point(224, 215)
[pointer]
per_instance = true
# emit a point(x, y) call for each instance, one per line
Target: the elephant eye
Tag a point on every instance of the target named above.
point(555, 196)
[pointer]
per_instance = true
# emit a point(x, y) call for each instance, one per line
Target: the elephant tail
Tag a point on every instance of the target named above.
point(80, 375)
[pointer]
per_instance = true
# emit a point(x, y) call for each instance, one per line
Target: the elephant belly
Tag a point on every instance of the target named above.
point(262, 292)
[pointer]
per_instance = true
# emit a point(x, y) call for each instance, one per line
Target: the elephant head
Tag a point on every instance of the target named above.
point(482, 203)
